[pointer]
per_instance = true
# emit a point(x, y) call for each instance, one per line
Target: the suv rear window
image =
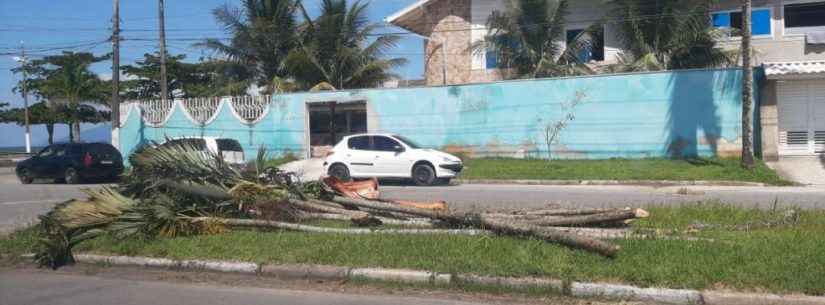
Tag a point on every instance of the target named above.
point(102, 151)
point(228, 145)
point(359, 143)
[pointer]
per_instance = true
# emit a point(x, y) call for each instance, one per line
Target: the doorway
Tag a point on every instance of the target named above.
point(330, 121)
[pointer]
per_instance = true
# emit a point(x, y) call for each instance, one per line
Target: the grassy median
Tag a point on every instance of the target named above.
point(713, 169)
point(748, 250)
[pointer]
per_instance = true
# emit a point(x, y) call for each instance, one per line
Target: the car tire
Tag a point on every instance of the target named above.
point(70, 176)
point(339, 171)
point(24, 176)
point(423, 175)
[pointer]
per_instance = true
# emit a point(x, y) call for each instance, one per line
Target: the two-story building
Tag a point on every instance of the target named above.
point(789, 42)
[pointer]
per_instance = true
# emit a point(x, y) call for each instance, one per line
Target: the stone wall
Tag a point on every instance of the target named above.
point(450, 20)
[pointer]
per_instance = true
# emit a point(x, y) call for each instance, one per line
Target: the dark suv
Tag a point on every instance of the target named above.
point(72, 163)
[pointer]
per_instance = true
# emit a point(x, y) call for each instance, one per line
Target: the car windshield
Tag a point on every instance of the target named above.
point(407, 141)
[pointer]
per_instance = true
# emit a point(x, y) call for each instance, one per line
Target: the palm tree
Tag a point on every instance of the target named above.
point(525, 38)
point(666, 35)
point(263, 34)
point(65, 80)
point(337, 49)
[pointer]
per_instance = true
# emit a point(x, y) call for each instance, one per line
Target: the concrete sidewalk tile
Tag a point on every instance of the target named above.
point(512, 282)
point(730, 298)
point(305, 272)
point(623, 292)
point(234, 267)
point(393, 275)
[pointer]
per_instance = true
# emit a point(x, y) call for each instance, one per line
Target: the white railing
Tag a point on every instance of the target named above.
point(250, 108)
point(156, 111)
point(201, 109)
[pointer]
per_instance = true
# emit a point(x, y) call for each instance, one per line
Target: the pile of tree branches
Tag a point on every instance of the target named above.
point(179, 191)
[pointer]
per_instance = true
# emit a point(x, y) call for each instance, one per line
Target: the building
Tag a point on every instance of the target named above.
point(789, 41)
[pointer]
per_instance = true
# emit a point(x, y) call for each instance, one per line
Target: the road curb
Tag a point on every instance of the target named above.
point(654, 183)
point(575, 289)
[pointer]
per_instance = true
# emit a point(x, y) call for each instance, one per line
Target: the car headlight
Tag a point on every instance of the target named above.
point(448, 160)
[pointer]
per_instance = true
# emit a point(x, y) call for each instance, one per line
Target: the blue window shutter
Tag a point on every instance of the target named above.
point(492, 59)
point(721, 20)
point(761, 22)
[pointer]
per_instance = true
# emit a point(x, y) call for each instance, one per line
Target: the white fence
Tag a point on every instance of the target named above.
point(200, 110)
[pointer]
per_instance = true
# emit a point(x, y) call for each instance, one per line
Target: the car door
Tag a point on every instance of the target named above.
point(58, 162)
point(39, 163)
point(360, 157)
point(390, 157)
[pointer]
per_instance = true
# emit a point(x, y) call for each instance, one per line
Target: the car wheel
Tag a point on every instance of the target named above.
point(423, 175)
point(339, 171)
point(71, 176)
point(25, 177)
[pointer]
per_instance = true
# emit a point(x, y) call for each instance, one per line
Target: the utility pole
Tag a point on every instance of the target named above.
point(24, 61)
point(163, 83)
point(115, 104)
point(747, 88)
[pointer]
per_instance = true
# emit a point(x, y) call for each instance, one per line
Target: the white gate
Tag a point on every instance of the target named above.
point(801, 107)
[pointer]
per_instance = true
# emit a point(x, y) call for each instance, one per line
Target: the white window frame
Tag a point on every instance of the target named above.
point(800, 31)
point(760, 8)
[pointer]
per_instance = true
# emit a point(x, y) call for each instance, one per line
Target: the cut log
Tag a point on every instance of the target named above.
point(419, 223)
point(568, 212)
point(316, 206)
point(313, 229)
point(607, 217)
point(551, 235)
point(496, 224)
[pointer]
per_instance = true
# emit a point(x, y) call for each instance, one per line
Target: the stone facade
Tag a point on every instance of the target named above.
point(448, 23)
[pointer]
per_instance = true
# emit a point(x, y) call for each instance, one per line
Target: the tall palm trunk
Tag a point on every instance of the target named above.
point(76, 131)
point(71, 133)
point(50, 130)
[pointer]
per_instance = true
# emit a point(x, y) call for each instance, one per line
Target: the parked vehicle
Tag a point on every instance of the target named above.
point(229, 149)
point(390, 156)
point(72, 163)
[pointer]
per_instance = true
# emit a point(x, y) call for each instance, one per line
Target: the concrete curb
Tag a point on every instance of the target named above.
point(654, 183)
point(575, 289)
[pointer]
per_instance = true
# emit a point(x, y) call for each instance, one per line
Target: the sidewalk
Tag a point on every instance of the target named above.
point(567, 288)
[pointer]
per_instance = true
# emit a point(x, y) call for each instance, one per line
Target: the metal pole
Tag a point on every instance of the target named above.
point(115, 103)
point(444, 61)
point(163, 83)
point(24, 61)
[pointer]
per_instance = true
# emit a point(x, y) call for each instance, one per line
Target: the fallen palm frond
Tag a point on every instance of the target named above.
point(181, 191)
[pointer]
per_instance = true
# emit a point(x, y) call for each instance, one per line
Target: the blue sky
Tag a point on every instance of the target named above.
point(44, 25)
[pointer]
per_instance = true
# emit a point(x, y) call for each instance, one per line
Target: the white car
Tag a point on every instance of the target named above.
point(390, 156)
point(229, 149)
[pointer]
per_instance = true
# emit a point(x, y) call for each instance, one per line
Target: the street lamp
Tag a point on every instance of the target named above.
point(23, 61)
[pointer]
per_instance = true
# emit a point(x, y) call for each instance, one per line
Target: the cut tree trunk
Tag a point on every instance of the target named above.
point(601, 218)
point(551, 235)
point(496, 224)
point(314, 229)
point(420, 223)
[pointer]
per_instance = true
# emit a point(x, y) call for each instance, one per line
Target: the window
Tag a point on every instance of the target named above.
point(593, 51)
point(384, 144)
point(412, 144)
point(805, 15)
point(493, 54)
point(47, 152)
point(359, 143)
point(228, 145)
point(760, 21)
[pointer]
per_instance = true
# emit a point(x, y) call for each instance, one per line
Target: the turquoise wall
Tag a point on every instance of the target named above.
point(686, 113)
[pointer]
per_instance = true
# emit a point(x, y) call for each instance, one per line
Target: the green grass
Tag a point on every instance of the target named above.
point(787, 259)
point(619, 169)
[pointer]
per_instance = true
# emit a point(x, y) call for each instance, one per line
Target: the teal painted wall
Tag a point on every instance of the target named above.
point(683, 113)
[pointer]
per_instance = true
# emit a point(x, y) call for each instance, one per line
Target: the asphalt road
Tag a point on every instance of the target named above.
point(20, 204)
point(25, 287)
